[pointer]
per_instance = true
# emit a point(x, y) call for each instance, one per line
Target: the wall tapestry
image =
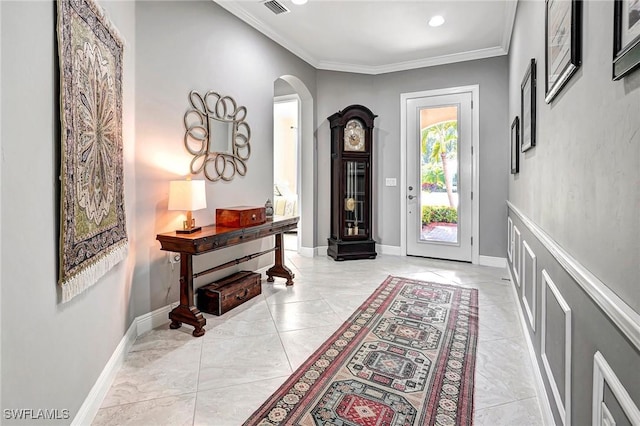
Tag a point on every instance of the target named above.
point(93, 235)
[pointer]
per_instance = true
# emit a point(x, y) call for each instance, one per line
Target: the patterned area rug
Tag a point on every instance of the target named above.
point(93, 235)
point(405, 357)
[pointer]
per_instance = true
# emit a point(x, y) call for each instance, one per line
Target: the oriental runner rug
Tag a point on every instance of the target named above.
point(93, 235)
point(405, 357)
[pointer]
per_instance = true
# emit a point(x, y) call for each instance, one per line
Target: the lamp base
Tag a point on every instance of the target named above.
point(188, 231)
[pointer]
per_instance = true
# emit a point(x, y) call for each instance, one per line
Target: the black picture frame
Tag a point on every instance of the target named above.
point(528, 108)
point(515, 146)
point(626, 37)
point(563, 41)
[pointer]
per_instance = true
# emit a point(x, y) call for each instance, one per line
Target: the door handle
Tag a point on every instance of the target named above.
point(411, 197)
point(411, 188)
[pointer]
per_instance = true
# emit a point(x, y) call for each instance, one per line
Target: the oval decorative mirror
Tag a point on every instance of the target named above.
point(217, 136)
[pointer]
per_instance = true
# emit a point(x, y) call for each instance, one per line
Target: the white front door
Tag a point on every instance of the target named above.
point(439, 176)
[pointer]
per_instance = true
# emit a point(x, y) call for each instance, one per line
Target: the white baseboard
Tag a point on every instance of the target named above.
point(381, 249)
point(541, 392)
point(93, 401)
point(321, 250)
point(495, 262)
point(390, 250)
point(306, 251)
point(151, 320)
point(139, 326)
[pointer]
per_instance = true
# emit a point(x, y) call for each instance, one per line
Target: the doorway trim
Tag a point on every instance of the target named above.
point(308, 180)
point(290, 98)
point(475, 163)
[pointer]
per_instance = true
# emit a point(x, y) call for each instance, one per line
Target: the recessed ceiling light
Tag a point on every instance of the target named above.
point(298, 1)
point(436, 21)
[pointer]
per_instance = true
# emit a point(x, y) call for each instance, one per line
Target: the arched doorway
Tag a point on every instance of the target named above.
point(306, 161)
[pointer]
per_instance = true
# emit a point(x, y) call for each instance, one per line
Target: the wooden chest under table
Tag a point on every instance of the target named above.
point(212, 238)
point(229, 292)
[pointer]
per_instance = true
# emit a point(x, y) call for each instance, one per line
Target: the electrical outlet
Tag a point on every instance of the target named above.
point(174, 257)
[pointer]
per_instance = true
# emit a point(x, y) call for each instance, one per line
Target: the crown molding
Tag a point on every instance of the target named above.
point(409, 65)
point(320, 64)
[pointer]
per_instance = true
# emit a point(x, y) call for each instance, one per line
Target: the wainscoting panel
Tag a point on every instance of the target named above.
point(607, 418)
point(516, 254)
point(612, 404)
point(510, 239)
point(555, 347)
point(625, 318)
point(529, 283)
point(575, 316)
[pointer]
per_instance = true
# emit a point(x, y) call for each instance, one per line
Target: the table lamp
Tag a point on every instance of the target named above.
point(187, 195)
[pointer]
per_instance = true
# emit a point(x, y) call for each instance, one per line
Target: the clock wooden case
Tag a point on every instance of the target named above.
point(351, 180)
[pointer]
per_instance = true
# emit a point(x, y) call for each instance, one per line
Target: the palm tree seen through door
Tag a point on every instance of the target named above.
point(439, 173)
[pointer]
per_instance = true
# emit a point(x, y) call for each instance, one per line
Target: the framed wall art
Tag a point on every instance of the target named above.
point(563, 40)
point(626, 37)
point(528, 108)
point(515, 148)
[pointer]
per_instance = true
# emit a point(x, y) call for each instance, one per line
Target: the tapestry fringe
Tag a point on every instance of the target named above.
point(89, 276)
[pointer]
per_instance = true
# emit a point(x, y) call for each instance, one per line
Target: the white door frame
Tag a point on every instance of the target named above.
point(289, 98)
point(475, 163)
point(308, 183)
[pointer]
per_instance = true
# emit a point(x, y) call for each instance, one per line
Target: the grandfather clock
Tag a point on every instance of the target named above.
point(351, 152)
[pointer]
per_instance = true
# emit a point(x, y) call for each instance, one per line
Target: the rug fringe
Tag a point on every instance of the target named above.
point(89, 276)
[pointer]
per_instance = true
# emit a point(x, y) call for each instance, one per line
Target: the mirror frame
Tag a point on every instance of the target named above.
point(197, 137)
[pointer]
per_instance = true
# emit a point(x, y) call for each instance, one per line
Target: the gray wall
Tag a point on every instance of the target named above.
point(581, 184)
point(381, 94)
point(52, 354)
point(206, 49)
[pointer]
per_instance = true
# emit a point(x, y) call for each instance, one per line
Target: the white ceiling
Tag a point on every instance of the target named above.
point(374, 37)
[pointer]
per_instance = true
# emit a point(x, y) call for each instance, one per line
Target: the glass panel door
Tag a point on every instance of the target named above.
point(439, 174)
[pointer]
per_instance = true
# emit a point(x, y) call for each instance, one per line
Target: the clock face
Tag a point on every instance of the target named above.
point(354, 136)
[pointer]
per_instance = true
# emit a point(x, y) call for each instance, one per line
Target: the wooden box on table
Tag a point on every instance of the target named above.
point(241, 216)
point(227, 293)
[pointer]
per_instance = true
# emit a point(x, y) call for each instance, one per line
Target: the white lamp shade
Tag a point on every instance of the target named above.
point(187, 195)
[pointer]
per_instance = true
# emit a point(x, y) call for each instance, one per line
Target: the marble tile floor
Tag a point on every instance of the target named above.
point(172, 378)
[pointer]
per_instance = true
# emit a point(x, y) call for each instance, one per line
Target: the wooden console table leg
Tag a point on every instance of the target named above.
point(186, 312)
point(279, 269)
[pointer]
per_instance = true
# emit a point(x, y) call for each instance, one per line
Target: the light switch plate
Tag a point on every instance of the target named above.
point(390, 182)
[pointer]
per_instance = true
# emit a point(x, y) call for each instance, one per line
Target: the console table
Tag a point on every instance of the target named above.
point(212, 238)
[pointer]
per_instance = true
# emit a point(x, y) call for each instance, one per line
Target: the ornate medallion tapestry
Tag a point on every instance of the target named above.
point(405, 357)
point(93, 234)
